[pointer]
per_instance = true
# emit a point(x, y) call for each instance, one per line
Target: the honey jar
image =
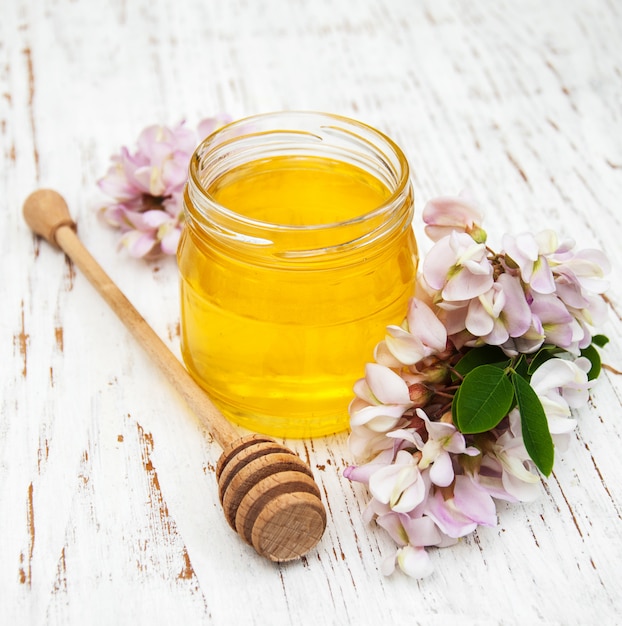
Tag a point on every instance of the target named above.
point(297, 252)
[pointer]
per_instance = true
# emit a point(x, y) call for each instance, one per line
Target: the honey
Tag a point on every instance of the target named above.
point(295, 258)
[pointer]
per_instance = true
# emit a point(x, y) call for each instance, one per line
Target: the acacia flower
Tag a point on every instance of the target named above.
point(412, 560)
point(365, 444)
point(561, 385)
point(146, 188)
point(459, 509)
point(585, 271)
point(443, 440)
point(500, 313)
point(588, 317)
point(508, 458)
point(555, 322)
point(362, 473)
point(431, 484)
point(399, 485)
point(382, 398)
point(412, 534)
point(447, 214)
point(529, 252)
point(421, 334)
point(579, 280)
point(458, 268)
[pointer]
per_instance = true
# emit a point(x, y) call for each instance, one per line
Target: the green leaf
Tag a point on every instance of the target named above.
point(534, 425)
point(454, 406)
point(481, 356)
point(483, 399)
point(521, 366)
point(544, 354)
point(600, 340)
point(592, 354)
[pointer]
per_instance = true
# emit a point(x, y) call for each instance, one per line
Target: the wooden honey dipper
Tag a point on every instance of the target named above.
point(268, 493)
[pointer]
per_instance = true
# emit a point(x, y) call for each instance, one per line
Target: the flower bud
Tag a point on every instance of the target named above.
point(447, 418)
point(470, 464)
point(420, 394)
point(477, 233)
point(437, 373)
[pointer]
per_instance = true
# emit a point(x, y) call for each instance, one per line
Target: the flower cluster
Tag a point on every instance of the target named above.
point(468, 398)
point(146, 187)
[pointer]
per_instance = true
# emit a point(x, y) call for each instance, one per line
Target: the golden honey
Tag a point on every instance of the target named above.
point(298, 251)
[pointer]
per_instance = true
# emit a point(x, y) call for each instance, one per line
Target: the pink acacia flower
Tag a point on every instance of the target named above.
point(430, 484)
point(400, 484)
point(413, 535)
point(362, 473)
point(146, 187)
point(412, 560)
point(406, 528)
point(587, 318)
point(561, 385)
point(420, 335)
point(448, 214)
point(500, 313)
point(382, 398)
point(582, 272)
point(458, 268)
point(460, 510)
point(529, 252)
point(365, 444)
point(555, 322)
point(563, 283)
point(506, 471)
point(579, 280)
point(443, 440)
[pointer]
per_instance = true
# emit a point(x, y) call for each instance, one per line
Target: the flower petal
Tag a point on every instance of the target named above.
point(406, 348)
point(386, 385)
point(474, 502)
point(378, 418)
point(442, 471)
point(426, 326)
point(138, 244)
point(414, 561)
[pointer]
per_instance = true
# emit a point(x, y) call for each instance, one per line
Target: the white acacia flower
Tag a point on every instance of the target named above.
point(446, 214)
point(500, 313)
point(382, 398)
point(400, 484)
point(514, 462)
point(414, 561)
point(458, 268)
point(561, 385)
point(421, 335)
point(530, 252)
point(443, 441)
point(461, 512)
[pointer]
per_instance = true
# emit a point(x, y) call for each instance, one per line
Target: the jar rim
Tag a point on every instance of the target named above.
point(228, 135)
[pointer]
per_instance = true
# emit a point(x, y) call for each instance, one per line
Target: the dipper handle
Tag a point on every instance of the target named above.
point(268, 494)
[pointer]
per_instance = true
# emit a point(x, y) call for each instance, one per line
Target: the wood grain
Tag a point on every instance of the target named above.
point(109, 508)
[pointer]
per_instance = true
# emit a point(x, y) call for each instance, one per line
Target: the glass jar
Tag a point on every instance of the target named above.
point(298, 251)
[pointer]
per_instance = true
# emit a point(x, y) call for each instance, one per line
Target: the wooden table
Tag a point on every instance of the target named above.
point(108, 506)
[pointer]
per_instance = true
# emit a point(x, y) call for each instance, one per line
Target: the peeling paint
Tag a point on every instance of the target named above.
point(22, 340)
point(70, 274)
point(58, 335)
point(187, 572)
point(31, 99)
point(25, 569)
point(174, 331)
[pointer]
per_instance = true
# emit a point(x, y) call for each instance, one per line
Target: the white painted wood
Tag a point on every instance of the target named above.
point(108, 507)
